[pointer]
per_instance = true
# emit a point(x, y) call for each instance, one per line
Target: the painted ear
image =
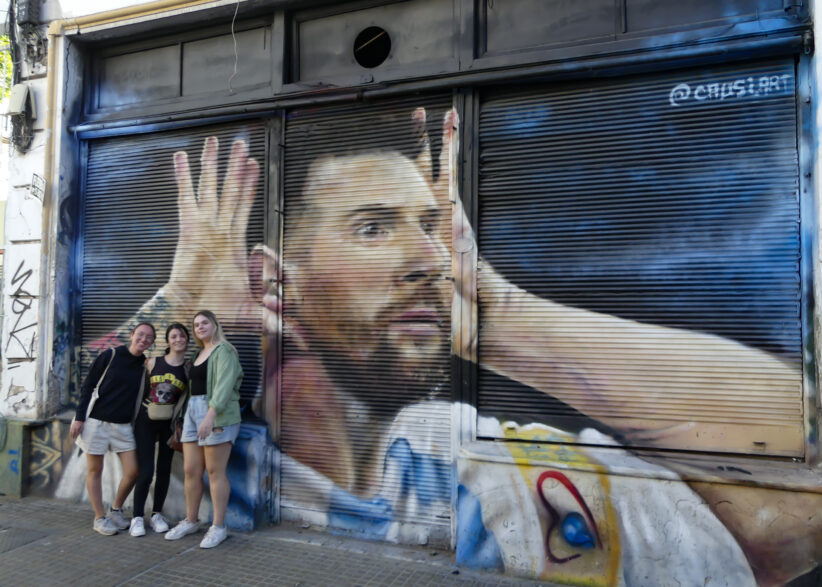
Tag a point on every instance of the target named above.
point(263, 266)
point(421, 132)
point(269, 275)
point(257, 269)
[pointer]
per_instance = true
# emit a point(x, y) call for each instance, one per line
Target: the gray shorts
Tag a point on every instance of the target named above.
point(98, 437)
point(195, 412)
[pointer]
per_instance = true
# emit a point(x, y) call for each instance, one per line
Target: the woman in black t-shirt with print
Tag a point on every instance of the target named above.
point(168, 378)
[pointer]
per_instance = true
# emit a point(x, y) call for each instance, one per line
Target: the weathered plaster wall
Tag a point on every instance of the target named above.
point(19, 395)
point(38, 231)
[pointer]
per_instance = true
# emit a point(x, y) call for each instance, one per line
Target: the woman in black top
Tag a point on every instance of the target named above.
point(108, 426)
point(168, 379)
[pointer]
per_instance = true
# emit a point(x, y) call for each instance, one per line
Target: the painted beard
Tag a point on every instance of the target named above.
point(385, 385)
point(409, 361)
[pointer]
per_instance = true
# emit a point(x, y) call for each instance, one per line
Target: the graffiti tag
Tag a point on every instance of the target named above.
point(752, 87)
point(13, 463)
point(15, 391)
point(21, 303)
point(45, 466)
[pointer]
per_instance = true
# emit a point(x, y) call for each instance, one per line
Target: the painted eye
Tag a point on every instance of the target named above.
point(575, 531)
point(371, 230)
point(428, 226)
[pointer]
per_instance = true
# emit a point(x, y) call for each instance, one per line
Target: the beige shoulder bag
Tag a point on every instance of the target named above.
point(94, 396)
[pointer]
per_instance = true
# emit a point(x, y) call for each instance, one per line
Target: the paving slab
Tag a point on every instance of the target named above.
point(50, 542)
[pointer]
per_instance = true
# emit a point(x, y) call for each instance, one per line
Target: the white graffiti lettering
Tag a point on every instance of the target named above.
point(750, 87)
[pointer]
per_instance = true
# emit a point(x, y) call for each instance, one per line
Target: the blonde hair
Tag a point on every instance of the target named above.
point(218, 337)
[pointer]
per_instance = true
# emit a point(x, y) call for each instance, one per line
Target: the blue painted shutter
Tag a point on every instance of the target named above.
point(669, 199)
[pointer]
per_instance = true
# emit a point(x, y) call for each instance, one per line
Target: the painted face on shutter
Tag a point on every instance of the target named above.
point(369, 287)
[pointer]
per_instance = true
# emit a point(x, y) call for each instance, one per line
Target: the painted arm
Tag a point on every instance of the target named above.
point(597, 362)
point(602, 365)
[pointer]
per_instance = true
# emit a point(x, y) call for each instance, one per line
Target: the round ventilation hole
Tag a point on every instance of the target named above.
point(372, 46)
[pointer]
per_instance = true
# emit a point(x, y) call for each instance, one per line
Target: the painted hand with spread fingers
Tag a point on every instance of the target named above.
point(210, 267)
point(456, 230)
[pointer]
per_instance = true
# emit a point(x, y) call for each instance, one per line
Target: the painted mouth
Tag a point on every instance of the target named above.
point(419, 315)
point(420, 322)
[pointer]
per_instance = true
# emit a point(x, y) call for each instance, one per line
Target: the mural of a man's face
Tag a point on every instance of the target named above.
point(369, 279)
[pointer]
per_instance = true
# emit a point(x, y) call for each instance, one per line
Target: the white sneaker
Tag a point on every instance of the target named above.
point(104, 526)
point(118, 519)
point(137, 527)
point(213, 537)
point(158, 523)
point(183, 528)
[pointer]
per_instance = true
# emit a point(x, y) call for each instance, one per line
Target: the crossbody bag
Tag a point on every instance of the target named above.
point(157, 411)
point(96, 393)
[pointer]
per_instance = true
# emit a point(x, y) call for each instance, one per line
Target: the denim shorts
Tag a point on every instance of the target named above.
point(99, 437)
point(195, 412)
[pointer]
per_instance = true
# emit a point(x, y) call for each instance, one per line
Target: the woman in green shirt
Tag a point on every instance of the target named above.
point(210, 427)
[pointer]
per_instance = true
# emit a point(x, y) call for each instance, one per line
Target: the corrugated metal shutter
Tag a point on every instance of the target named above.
point(667, 199)
point(355, 258)
point(130, 229)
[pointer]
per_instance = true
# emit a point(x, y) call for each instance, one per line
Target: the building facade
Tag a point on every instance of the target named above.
point(533, 280)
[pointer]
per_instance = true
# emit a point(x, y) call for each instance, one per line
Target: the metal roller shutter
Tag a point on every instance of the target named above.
point(130, 230)
point(356, 260)
point(669, 199)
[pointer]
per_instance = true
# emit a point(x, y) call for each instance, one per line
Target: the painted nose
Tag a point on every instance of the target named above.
point(425, 258)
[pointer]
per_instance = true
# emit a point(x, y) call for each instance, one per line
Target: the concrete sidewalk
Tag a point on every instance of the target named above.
point(50, 542)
